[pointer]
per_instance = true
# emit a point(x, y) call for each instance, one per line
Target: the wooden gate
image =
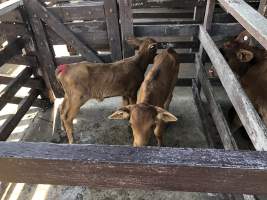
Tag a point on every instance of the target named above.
point(85, 27)
point(88, 27)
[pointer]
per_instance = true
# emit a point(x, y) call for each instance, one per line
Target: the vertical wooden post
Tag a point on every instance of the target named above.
point(45, 53)
point(263, 7)
point(126, 19)
point(113, 28)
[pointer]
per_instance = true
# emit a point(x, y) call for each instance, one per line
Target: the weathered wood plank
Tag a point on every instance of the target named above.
point(10, 5)
point(113, 28)
point(23, 60)
point(165, 30)
point(74, 59)
point(209, 128)
point(14, 85)
point(73, 11)
point(45, 53)
point(11, 123)
point(175, 30)
point(92, 33)
point(40, 103)
point(121, 166)
point(11, 50)
point(126, 19)
point(215, 109)
point(248, 115)
point(187, 82)
point(12, 17)
point(166, 3)
point(163, 13)
point(263, 7)
point(249, 18)
point(63, 31)
point(183, 58)
point(31, 82)
point(10, 32)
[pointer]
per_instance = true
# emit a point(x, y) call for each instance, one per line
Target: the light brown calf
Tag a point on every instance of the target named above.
point(250, 65)
point(148, 115)
point(84, 81)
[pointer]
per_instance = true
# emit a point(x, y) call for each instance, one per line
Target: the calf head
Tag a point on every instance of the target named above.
point(147, 47)
point(239, 55)
point(145, 120)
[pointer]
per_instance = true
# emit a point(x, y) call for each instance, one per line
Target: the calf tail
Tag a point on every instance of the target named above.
point(61, 70)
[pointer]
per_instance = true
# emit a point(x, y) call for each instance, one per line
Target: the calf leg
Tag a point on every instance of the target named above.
point(159, 131)
point(133, 99)
point(70, 111)
point(167, 102)
point(125, 101)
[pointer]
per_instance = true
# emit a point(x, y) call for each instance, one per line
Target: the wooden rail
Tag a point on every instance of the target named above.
point(248, 115)
point(11, 123)
point(128, 167)
point(10, 5)
point(11, 50)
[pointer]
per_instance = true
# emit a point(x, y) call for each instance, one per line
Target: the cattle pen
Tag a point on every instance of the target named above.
point(97, 31)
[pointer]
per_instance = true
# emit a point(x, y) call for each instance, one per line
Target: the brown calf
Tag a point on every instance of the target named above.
point(148, 115)
point(84, 81)
point(250, 65)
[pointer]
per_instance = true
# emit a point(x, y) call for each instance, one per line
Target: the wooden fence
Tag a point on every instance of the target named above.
point(94, 27)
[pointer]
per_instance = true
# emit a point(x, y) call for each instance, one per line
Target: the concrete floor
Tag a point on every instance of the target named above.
point(93, 127)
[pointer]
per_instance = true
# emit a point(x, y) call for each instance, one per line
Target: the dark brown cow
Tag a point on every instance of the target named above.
point(250, 65)
point(148, 115)
point(84, 81)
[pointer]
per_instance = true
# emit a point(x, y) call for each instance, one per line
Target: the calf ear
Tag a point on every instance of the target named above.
point(134, 42)
point(164, 115)
point(244, 55)
point(122, 113)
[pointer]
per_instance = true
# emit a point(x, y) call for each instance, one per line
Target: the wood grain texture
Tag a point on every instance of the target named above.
point(11, 50)
point(126, 21)
point(45, 53)
point(10, 124)
point(69, 12)
point(31, 82)
point(128, 167)
point(215, 109)
point(113, 29)
point(14, 85)
point(10, 5)
point(52, 21)
point(248, 115)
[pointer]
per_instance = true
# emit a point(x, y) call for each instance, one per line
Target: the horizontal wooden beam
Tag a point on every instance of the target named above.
point(30, 83)
point(166, 4)
point(176, 30)
point(183, 58)
point(187, 82)
point(11, 123)
point(149, 168)
point(10, 5)
point(249, 18)
point(23, 60)
point(11, 89)
point(40, 103)
point(11, 50)
point(252, 122)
